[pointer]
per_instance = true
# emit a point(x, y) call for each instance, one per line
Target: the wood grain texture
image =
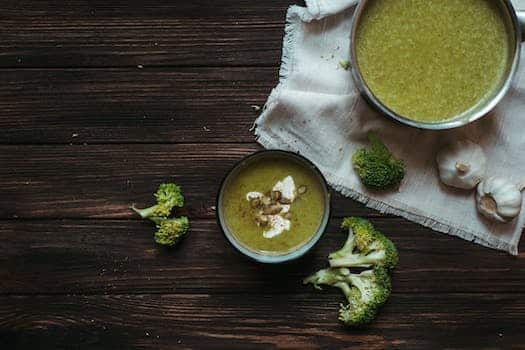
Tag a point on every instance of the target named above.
point(103, 181)
point(178, 105)
point(107, 256)
point(99, 33)
point(259, 321)
point(100, 102)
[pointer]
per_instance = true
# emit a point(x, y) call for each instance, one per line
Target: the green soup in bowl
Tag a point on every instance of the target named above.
point(273, 206)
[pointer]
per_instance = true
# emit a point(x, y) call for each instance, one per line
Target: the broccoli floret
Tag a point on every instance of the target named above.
point(170, 231)
point(168, 195)
point(365, 292)
point(345, 64)
point(377, 168)
point(329, 277)
point(356, 315)
point(364, 247)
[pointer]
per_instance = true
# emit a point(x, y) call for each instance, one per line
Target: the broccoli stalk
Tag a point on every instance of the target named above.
point(365, 292)
point(168, 196)
point(364, 247)
point(170, 231)
point(349, 245)
point(377, 168)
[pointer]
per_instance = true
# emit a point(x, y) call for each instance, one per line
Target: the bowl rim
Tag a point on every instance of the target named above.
point(302, 249)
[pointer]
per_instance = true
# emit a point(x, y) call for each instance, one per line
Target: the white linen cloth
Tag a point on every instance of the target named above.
point(316, 111)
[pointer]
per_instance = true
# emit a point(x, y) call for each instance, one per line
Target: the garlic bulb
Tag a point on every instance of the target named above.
point(461, 164)
point(499, 199)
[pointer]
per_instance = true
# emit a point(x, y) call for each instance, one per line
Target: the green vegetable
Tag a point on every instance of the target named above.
point(364, 247)
point(168, 196)
point(365, 292)
point(345, 64)
point(170, 231)
point(377, 168)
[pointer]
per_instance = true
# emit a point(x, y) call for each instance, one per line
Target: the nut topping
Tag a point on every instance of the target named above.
point(255, 203)
point(302, 189)
point(276, 195)
point(272, 209)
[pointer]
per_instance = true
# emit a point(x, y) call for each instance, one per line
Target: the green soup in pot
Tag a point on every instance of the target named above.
point(431, 60)
point(261, 176)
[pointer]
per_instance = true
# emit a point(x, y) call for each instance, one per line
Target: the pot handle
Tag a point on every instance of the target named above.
point(521, 22)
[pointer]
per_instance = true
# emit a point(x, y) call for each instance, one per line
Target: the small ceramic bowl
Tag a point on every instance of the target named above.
point(274, 258)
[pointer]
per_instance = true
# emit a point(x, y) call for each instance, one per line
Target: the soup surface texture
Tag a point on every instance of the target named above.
point(430, 60)
point(261, 176)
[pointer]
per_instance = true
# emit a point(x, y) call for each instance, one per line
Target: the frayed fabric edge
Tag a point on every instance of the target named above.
point(430, 222)
point(294, 16)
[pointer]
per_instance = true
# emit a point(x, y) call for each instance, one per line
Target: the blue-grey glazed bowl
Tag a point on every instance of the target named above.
point(274, 258)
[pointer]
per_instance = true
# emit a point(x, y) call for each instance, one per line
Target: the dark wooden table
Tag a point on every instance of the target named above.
point(100, 101)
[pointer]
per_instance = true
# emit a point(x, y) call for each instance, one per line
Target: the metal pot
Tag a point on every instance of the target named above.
point(516, 21)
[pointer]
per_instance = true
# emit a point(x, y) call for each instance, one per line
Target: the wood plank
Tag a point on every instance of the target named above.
point(101, 181)
point(106, 256)
point(305, 321)
point(183, 105)
point(126, 33)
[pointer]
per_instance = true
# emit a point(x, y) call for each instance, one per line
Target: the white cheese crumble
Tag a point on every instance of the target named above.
point(277, 224)
point(287, 188)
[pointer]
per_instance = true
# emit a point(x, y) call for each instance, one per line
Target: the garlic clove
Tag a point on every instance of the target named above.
point(499, 199)
point(513, 201)
point(488, 207)
point(488, 203)
point(508, 212)
point(496, 183)
point(461, 164)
